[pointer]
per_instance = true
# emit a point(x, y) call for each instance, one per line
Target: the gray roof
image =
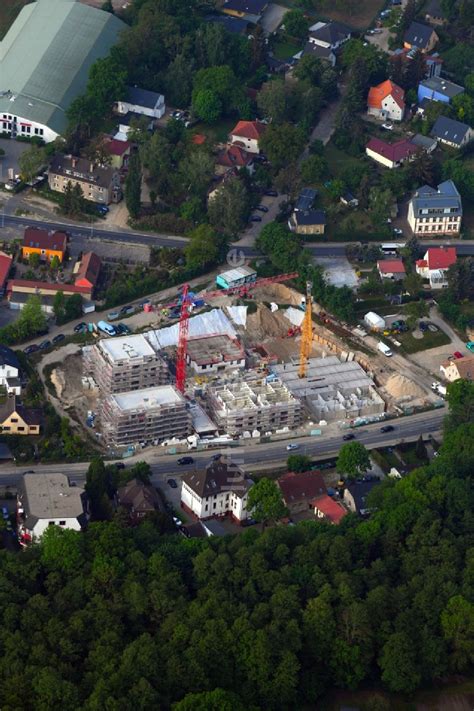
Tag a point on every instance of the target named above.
point(142, 97)
point(423, 141)
point(442, 86)
point(447, 129)
point(46, 56)
point(8, 357)
point(333, 33)
point(82, 170)
point(306, 198)
point(235, 25)
point(445, 197)
point(309, 217)
point(317, 50)
point(50, 496)
point(434, 9)
point(418, 35)
point(360, 490)
point(218, 476)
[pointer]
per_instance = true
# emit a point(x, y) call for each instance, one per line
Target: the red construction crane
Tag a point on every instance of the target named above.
point(186, 302)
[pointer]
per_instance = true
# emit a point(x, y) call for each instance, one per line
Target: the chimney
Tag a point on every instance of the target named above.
point(74, 162)
point(91, 167)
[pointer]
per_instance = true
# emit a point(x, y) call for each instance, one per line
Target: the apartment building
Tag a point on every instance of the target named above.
point(100, 184)
point(436, 211)
point(149, 415)
point(253, 405)
point(218, 490)
point(123, 364)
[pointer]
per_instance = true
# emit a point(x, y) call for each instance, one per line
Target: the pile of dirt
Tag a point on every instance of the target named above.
point(399, 386)
point(58, 380)
point(265, 324)
point(279, 293)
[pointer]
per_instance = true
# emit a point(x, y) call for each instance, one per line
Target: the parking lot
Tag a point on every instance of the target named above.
point(13, 150)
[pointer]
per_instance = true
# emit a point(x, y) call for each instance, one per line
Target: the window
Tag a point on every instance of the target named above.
point(214, 505)
point(20, 429)
point(51, 523)
point(62, 523)
point(14, 419)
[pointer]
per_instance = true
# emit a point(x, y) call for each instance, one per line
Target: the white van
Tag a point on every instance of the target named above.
point(384, 349)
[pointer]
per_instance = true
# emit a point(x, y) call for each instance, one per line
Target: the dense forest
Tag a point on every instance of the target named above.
point(120, 618)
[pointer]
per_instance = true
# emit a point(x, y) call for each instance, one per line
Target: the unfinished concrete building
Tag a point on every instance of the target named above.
point(253, 405)
point(150, 415)
point(332, 390)
point(213, 354)
point(124, 364)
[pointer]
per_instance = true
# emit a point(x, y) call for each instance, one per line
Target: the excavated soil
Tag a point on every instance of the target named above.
point(264, 324)
point(399, 386)
point(279, 293)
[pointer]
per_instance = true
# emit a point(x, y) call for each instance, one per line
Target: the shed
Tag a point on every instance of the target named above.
point(374, 321)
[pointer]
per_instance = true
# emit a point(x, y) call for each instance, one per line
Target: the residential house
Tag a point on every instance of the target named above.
point(9, 371)
point(434, 13)
point(100, 184)
point(87, 270)
point(46, 500)
point(349, 199)
point(252, 10)
point(391, 269)
point(27, 287)
point(306, 198)
point(458, 368)
point(5, 266)
point(143, 102)
point(386, 101)
point(46, 244)
point(424, 143)
point(355, 496)
point(433, 62)
point(419, 36)
point(438, 89)
point(139, 500)
point(435, 264)
point(119, 152)
point(452, 133)
point(132, 121)
point(307, 222)
point(391, 155)
point(220, 489)
point(234, 25)
point(325, 39)
point(16, 419)
point(300, 489)
point(234, 156)
point(247, 134)
point(436, 211)
point(329, 509)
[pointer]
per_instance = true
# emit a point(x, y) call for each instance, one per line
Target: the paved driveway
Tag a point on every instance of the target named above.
point(13, 150)
point(272, 18)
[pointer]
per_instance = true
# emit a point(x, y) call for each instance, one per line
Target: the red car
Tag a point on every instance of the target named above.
point(457, 354)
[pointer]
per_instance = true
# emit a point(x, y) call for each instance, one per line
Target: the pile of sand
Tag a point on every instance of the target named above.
point(58, 380)
point(399, 386)
point(279, 293)
point(265, 324)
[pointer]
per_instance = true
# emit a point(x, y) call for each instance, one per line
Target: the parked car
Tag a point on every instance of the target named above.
point(378, 31)
point(31, 349)
point(433, 328)
point(271, 193)
point(291, 447)
point(120, 465)
point(387, 428)
point(457, 354)
point(126, 310)
point(5, 513)
point(470, 346)
point(387, 126)
point(60, 337)
point(122, 329)
point(397, 231)
point(176, 115)
point(370, 32)
point(423, 326)
point(255, 218)
point(80, 327)
point(172, 483)
point(185, 460)
point(44, 345)
point(177, 521)
point(216, 457)
point(348, 436)
point(262, 208)
point(248, 522)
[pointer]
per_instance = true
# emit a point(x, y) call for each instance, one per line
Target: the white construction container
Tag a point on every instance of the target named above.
point(384, 349)
point(374, 321)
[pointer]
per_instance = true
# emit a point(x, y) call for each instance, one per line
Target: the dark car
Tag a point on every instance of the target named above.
point(126, 310)
point(44, 345)
point(262, 208)
point(248, 522)
point(121, 328)
point(31, 349)
point(271, 193)
point(80, 327)
point(172, 483)
point(60, 337)
point(387, 428)
point(120, 465)
point(185, 460)
point(255, 218)
point(423, 326)
point(216, 457)
point(348, 436)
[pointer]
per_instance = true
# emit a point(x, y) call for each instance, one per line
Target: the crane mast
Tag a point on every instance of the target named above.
point(306, 331)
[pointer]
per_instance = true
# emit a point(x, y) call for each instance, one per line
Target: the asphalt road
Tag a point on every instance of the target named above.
point(406, 429)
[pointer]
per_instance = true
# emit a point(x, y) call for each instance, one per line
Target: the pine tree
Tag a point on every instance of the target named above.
point(133, 186)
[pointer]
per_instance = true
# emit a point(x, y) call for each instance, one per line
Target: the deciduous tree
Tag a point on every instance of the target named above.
point(353, 460)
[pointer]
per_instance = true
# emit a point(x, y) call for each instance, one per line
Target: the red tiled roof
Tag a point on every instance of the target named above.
point(5, 264)
point(88, 271)
point(394, 152)
point(234, 156)
point(297, 486)
point(68, 288)
point(422, 263)
point(116, 147)
point(42, 239)
point(440, 257)
point(249, 129)
point(387, 88)
point(331, 509)
point(198, 139)
point(391, 266)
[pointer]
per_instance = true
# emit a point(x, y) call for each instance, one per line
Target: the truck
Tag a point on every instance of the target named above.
point(106, 328)
point(384, 349)
point(439, 388)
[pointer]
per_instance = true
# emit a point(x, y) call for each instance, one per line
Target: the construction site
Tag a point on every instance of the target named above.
point(247, 361)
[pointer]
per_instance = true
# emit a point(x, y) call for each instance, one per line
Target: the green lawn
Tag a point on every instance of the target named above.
point(285, 49)
point(429, 340)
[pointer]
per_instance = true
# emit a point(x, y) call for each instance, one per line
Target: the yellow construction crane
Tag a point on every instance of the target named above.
point(306, 331)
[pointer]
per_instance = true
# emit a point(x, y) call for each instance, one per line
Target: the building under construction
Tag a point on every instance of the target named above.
point(253, 405)
point(332, 389)
point(213, 354)
point(150, 415)
point(124, 364)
